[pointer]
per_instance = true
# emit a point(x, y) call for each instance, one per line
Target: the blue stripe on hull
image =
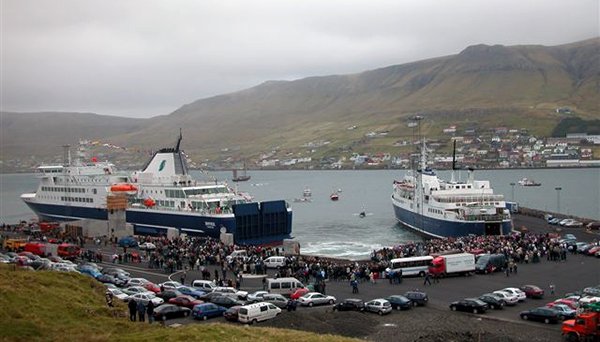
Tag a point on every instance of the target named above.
point(441, 228)
point(209, 225)
point(58, 212)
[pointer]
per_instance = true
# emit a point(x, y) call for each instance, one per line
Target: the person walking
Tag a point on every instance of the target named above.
point(150, 312)
point(427, 279)
point(141, 308)
point(132, 310)
point(551, 289)
point(183, 276)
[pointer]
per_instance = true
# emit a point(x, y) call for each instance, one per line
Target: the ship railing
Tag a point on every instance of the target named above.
point(473, 198)
point(487, 218)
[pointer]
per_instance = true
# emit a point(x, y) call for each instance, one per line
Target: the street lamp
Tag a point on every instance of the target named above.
point(558, 189)
point(513, 191)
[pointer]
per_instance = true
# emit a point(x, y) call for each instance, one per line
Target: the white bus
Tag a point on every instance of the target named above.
point(412, 266)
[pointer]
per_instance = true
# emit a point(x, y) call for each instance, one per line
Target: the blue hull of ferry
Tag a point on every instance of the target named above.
point(436, 228)
point(262, 229)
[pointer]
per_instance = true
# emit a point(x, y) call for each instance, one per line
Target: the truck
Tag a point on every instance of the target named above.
point(14, 245)
point(453, 264)
point(585, 327)
point(44, 249)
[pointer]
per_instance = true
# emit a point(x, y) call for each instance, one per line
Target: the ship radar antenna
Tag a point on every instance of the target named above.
point(178, 141)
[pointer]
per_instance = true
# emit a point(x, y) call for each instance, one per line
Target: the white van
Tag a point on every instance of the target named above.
point(274, 261)
point(257, 312)
point(238, 253)
point(204, 285)
point(283, 286)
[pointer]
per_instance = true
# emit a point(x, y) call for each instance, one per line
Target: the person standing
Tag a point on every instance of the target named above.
point(109, 299)
point(132, 305)
point(427, 279)
point(141, 308)
point(354, 285)
point(183, 276)
point(150, 312)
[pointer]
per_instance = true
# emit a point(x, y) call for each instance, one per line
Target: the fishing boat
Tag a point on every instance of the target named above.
point(159, 200)
point(528, 182)
point(306, 196)
point(240, 177)
point(442, 208)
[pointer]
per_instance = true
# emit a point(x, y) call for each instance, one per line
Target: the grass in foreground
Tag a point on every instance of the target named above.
point(51, 306)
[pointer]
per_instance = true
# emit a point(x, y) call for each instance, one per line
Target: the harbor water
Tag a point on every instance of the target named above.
point(334, 228)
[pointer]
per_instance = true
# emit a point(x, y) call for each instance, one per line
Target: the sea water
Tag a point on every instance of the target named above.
point(334, 228)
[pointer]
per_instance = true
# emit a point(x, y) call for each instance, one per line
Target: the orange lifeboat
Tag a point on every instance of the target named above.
point(149, 202)
point(123, 188)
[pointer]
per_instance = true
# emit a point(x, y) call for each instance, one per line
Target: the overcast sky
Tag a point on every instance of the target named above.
point(142, 58)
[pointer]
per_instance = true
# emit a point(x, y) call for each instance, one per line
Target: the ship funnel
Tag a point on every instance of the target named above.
point(471, 175)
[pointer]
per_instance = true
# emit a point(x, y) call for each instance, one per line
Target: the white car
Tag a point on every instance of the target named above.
point(147, 246)
point(574, 224)
point(118, 294)
point(170, 285)
point(517, 292)
point(316, 298)
point(231, 292)
point(380, 306)
point(137, 282)
point(257, 296)
point(147, 297)
point(132, 290)
point(588, 300)
point(507, 297)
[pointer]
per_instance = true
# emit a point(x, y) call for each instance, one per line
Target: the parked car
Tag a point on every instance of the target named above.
point(380, 306)
point(204, 285)
point(399, 302)
point(226, 301)
point(589, 300)
point(167, 311)
point(135, 289)
point(190, 291)
point(508, 298)
point(118, 294)
point(256, 296)
point(147, 297)
point(592, 291)
point(147, 246)
point(168, 294)
point(573, 224)
point(521, 296)
point(127, 241)
point(171, 285)
point(564, 311)
point(350, 304)
point(231, 291)
point(276, 299)
point(109, 279)
point(493, 301)
point(187, 301)
point(87, 270)
point(541, 314)
point(137, 281)
point(207, 310)
point(113, 271)
point(570, 237)
point(253, 313)
point(316, 298)
point(533, 291)
point(417, 297)
point(572, 303)
point(473, 305)
point(150, 286)
point(232, 313)
point(299, 293)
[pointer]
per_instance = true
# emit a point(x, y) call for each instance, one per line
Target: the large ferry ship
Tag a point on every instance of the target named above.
point(160, 197)
point(438, 208)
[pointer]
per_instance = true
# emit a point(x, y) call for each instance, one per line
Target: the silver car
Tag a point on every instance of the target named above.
point(380, 306)
point(275, 299)
point(316, 298)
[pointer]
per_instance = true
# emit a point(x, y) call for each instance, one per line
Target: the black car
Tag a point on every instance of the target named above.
point(350, 304)
point(207, 297)
point(168, 294)
point(492, 301)
point(166, 311)
point(114, 271)
point(106, 278)
point(541, 314)
point(400, 302)
point(473, 305)
point(417, 297)
point(232, 313)
point(226, 301)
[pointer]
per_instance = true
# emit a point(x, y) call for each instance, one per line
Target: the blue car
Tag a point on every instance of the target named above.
point(128, 241)
point(207, 310)
point(190, 291)
point(91, 271)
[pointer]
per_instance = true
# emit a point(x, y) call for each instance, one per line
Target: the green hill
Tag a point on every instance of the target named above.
point(53, 306)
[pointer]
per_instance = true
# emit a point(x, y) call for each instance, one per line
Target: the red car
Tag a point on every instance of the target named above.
point(592, 251)
point(299, 293)
point(187, 301)
point(151, 287)
point(532, 291)
point(573, 304)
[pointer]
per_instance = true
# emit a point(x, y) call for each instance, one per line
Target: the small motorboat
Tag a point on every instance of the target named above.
point(362, 214)
point(528, 182)
point(334, 196)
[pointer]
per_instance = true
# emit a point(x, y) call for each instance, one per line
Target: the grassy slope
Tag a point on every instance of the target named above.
point(51, 306)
